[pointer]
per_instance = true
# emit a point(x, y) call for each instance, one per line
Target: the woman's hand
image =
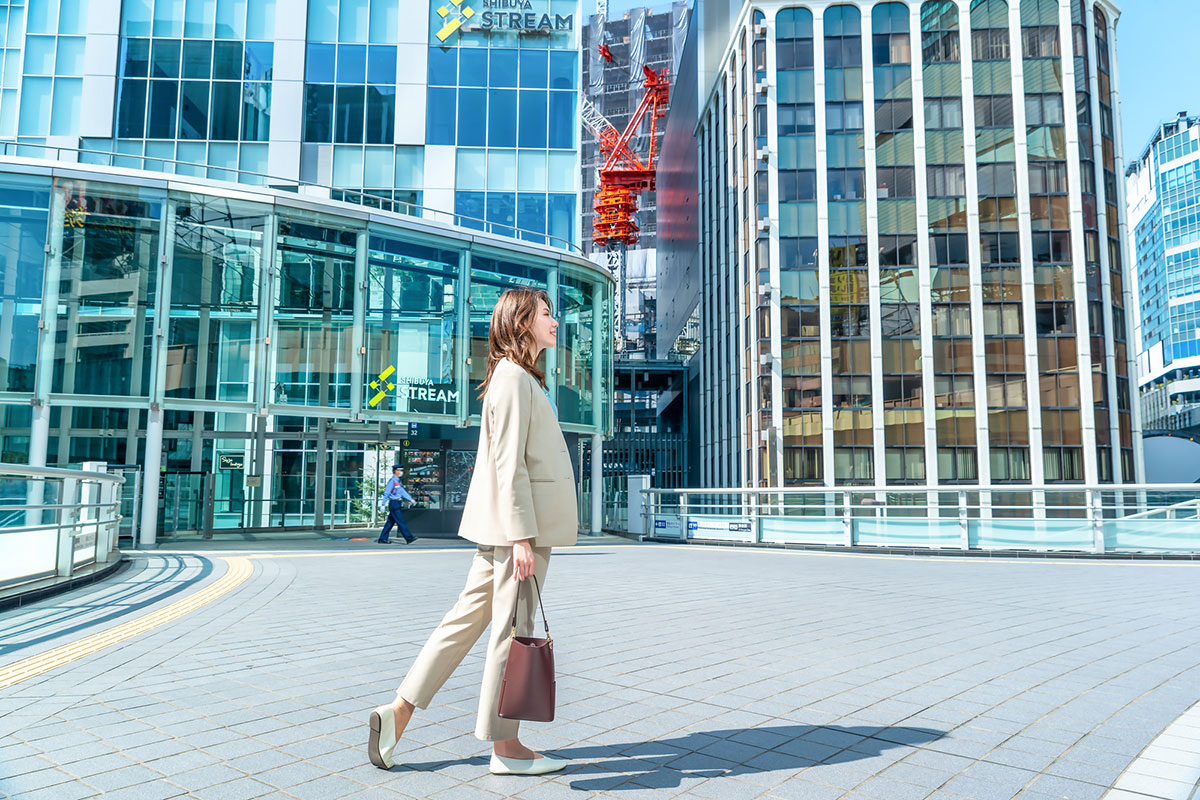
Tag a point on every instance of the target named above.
point(522, 559)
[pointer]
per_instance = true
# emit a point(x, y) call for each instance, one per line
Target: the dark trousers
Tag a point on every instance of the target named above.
point(395, 518)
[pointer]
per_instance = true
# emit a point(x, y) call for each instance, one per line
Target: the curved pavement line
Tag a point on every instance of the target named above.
point(240, 568)
point(1169, 767)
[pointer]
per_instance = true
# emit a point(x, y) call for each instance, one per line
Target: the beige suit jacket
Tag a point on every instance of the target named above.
point(523, 486)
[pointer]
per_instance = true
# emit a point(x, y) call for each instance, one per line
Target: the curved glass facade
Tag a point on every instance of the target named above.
point(927, 287)
point(279, 350)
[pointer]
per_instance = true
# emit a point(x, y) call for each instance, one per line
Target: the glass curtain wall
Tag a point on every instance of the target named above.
point(849, 309)
point(193, 83)
point(490, 276)
point(413, 296)
point(1058, 358)
point(900, 306)
point(800, 296)
point(1120, 327)
point(954, 393)
point(217, 266)
point(314, 307)
point(999, 243)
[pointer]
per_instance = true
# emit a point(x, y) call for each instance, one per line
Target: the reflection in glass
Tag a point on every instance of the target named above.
point(412, 300)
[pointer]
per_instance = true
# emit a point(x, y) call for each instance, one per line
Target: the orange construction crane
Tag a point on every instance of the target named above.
point(623, 174)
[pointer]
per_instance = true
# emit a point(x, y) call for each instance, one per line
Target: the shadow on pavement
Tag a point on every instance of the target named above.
point(664, 763)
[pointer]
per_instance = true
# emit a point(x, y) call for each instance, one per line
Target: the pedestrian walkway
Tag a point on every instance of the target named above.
point(689, 671)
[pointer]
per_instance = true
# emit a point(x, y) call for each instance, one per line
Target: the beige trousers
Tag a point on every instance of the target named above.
point(489, 596)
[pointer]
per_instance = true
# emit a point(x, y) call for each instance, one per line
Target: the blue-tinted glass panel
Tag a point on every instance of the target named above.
point(260, 58)
point(502, 213)
point(164, 99)
point(131, 110)
point(348, 115)
point(563, 69)
point(502, 118)
point(503, 71)
point(319, 63)
point(193, 110)
point(135, 18)
point(472, 117)
point(533, 69)
point(168, 18)
point(531, 215)
point(443, 66)
point(352, 63)
point(561, 217)
point(199, 19)
point(227, 61)
point(318, 113)
point(256, 112)
point(531, 125)
point(226, 110)
point(231, 19)
point(562, 119)
point(197, 59)
point(470, 206)
point(322, 20)
point(165, 63)
point(381, 64)
point(439, 116)
point(381, 114)
point(473, 66)
point(135, 60)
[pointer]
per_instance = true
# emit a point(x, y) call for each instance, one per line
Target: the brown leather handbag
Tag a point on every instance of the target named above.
point(527, 688)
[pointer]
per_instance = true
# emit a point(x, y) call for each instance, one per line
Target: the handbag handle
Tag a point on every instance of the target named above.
point(517, 605)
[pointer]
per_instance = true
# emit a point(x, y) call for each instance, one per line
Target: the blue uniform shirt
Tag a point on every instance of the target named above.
point(394, 491)
point(551, 399)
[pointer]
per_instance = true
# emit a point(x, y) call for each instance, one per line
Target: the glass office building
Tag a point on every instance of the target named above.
point(1163, 189)
point(265, 353)
point(265, 238)
point(912, 250)
point(466, 107)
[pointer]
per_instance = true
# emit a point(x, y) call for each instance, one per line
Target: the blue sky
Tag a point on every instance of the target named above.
point(1158, 60)
point(1158, 65)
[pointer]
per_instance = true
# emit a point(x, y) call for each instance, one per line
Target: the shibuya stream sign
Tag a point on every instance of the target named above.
point(496, 15)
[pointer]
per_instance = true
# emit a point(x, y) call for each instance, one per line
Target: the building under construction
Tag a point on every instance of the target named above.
point(642, 37)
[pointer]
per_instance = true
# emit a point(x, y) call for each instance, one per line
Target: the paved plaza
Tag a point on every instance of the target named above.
point(708, 672)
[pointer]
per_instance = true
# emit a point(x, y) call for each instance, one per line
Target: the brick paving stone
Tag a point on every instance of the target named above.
point(862, 680)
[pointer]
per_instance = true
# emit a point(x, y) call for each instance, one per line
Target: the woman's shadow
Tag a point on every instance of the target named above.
point(664, 763)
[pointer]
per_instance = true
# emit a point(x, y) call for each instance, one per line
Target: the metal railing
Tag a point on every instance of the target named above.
point(105, 158)
point(55, 521)
point(1142, 518)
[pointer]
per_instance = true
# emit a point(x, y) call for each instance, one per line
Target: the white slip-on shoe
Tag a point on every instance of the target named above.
point(381, 741)
point(525, 766)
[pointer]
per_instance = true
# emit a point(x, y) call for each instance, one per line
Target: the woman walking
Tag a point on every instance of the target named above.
point(520, 504)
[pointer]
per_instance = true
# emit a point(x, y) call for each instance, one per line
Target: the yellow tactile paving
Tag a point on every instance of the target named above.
point(239, 570)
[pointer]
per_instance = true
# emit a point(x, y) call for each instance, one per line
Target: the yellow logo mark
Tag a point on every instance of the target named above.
point(382, 386)
point(454, 19)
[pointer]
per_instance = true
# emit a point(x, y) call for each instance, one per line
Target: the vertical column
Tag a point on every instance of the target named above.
point(873, 285)
point(158, 377)
point(1037, 466)
point(823, 248)
point(599, 346)
point(1093, 78)
point(47, 336)
point(924, 272)
point(1083, 348)
point(358, 348)
point(287, 90)
point(462, 340)
point(983, 470)
point(1129, 279)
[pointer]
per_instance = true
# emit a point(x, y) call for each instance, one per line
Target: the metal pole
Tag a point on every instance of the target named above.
point(597, 483)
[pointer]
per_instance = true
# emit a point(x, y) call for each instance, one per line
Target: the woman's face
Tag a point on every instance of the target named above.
point(545, 327)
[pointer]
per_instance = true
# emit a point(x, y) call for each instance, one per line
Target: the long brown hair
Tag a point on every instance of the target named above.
point(511, 332)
